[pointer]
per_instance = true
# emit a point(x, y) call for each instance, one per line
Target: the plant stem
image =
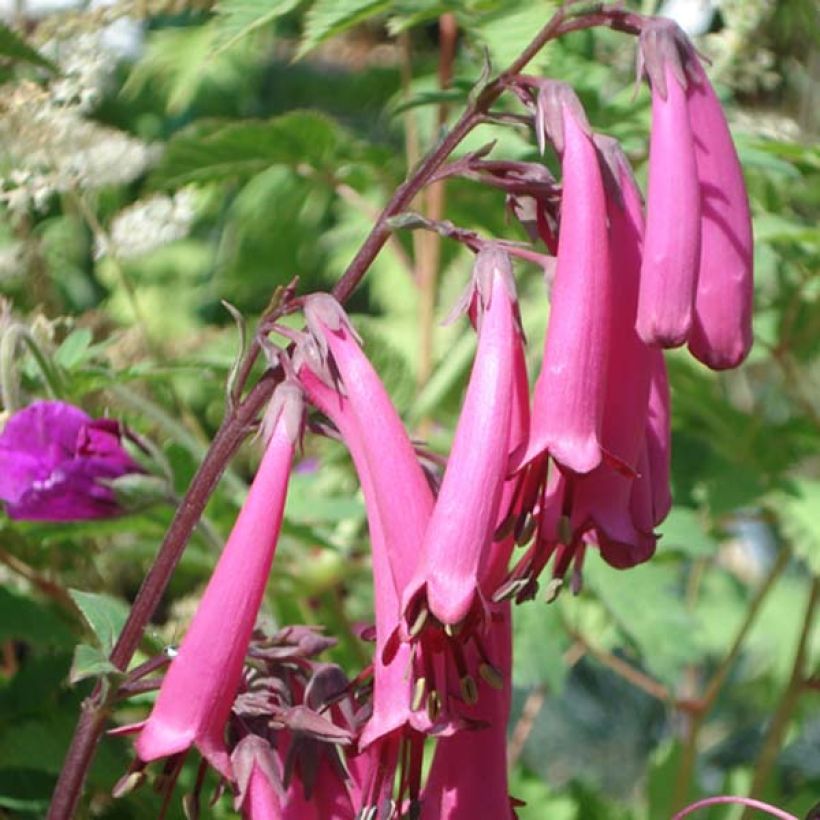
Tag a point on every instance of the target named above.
point(796, 686)
point(430, 242)
point(683, 779)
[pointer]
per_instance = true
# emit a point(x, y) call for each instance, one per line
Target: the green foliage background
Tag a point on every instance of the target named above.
point(289, 124)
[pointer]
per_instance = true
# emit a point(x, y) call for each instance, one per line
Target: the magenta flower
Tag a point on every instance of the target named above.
point(460, 531)
point(569, 393)
point(468, 775)
point(671, 252)
point(198, 690)
point(399, 502)
point(56, 462)
point(601, 499)
point(398, 497)
point(722, 329)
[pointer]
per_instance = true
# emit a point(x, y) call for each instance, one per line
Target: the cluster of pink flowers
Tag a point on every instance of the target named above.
point(583, 462)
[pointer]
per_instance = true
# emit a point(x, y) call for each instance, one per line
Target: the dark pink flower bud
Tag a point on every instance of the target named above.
point(199, 688)
point(722, 330)
point(671, 251)
point(56, 463)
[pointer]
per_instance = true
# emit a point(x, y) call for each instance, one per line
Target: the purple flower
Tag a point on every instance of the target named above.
point(55, 461)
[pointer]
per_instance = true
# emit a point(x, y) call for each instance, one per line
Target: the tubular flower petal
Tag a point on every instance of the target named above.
point(722, 330)
point(569, 394)
point(671, 250)
point(198, 690)
point(601, 502)
point(460, 531)
point(54, 460)
point(398, 506)
point(392, 689)
point(258, 781)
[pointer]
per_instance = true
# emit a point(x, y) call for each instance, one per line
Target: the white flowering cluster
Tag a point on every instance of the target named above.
point(148, 224)
point(47, 144)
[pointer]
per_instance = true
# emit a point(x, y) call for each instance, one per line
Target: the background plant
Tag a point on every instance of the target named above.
point(141, 189)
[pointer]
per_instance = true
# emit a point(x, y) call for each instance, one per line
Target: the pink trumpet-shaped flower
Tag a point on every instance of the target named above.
point(601, 499)
point(468, 776)
point(199, 688)
point(398, 497)
point(569, 393)
point(722, 329)
point(399, 502)
point(460, 532)
point(392, 688)
point(671, 250)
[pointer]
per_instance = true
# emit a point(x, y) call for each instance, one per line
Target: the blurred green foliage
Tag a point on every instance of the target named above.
point(286, 126)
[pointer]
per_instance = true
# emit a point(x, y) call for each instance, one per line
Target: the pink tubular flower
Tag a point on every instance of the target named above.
point(198, 690)
point(722, 330)
point(399, 502)
point(460, 532)
point(569, 394)
point(671, 251)
point(601, 500)
point(468, 776)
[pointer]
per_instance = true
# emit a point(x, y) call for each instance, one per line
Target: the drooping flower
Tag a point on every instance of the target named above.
point(468, 775)
point(601, 499)
point(55, 462)
point(199, 688)
point(671, 251)
point(399, 502)
point(569, 393)
point(460, 531)
point(722, 329)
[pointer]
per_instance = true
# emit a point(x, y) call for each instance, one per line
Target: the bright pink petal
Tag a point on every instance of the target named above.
point(201, 683)
point(466, 513)
point(671, 251)
point(722, 330)
point(569, 394)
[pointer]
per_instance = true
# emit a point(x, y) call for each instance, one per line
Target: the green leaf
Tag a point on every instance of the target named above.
point(798, 515)
point(667, 640)
point(89, 662)
point(683, 531)
point(236, 19)
point(218, 151)
point(24, 619)
point(74, 349)
point(104, 614)
point(328, 18)
point(13, 46)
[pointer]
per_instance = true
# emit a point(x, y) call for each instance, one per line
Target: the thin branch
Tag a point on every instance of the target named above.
point(788, 702)
point(704, 705)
